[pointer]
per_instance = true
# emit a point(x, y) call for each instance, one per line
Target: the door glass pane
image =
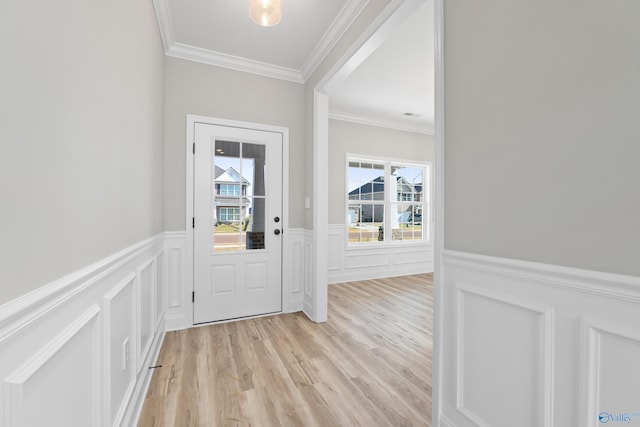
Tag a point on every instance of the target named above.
point(227, 209)
point(255, 228)
point(255, 159)
point(227, 235)
point(239, 196)
point(254, 155)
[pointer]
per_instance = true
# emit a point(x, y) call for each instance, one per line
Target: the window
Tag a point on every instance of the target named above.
point(387, 195)
point(229, 190)
point(229, 215)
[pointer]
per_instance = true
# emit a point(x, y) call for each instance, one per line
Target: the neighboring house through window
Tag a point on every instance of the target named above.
point(229, 215)
point(230, 190)
point(231, 201)
point(387, 195)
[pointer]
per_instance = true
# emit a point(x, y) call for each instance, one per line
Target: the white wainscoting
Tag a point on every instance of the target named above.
point(308, 274)
point(76, 352)
point(295, 276)
point(178, 294)
point(362, 263)
point(531, 344)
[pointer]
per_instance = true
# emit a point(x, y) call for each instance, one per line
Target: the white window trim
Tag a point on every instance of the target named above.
point(427, 203)
point(226, 209)
point(227, 186)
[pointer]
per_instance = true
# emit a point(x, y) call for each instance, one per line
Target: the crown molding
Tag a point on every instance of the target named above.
point(165, 26)
point(388, 124)
point(191, 53)
point(205, 56)
point(338, 27)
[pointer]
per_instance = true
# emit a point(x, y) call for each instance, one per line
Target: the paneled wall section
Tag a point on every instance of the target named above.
point(362, 263)
point(77, 351)
point(295, 278)
point(534, 344)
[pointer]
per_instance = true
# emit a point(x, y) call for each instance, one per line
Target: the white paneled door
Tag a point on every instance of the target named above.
point(237, 222)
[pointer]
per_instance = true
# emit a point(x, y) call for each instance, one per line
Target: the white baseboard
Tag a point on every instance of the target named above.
point(79, 341)
point(561, 343)
point(370, 262)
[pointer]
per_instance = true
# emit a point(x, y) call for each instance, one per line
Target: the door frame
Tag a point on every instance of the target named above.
point(191, 120)
point(372, 37)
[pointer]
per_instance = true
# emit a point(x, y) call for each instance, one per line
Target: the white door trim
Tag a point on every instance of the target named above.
point(189, 209)
point(377, 32)
point(366, 43)
point(438, 279)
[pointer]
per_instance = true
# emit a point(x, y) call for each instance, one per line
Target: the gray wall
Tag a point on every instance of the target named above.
point(335, 56)
point(80, 135)
point(193, 88)
point(542, 131)
point(346, 137)
point(205, 90)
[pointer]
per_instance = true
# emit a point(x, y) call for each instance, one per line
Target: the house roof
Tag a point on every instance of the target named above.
point(229, 176)
point(374, 186)
point(377, 186)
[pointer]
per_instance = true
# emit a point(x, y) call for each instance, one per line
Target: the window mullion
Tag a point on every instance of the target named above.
point(387, 202)
point(391, 189)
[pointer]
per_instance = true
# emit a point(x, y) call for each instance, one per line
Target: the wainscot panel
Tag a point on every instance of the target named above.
point(611, 351)
point(295, 278)
point(533, 344)
point(176, 283)
point(119, 331)
point(77, 351)
point(307, 272)
point(349, 263)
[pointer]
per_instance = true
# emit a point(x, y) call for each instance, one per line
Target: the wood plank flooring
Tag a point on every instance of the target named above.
point(368, 365)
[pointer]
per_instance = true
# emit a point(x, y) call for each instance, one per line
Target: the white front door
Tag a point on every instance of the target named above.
point(237, 222)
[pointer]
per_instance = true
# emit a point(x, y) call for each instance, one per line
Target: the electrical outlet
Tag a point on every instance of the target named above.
point(126, 353)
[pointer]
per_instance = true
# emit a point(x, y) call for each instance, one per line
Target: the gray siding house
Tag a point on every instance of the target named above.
point(230, 196)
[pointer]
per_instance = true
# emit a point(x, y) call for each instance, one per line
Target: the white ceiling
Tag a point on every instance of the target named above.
point(397, 78)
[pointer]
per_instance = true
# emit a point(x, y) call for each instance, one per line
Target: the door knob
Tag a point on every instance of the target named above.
point(276, 219)
point(276, 231)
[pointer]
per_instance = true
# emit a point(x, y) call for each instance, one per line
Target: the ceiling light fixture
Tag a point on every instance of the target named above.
point(265, 12)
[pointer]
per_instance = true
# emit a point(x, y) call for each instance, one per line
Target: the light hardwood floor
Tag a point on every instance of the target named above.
point(368, 365)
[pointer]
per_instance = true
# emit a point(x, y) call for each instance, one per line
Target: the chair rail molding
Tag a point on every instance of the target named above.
point(552, 341)
point(79, 339)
